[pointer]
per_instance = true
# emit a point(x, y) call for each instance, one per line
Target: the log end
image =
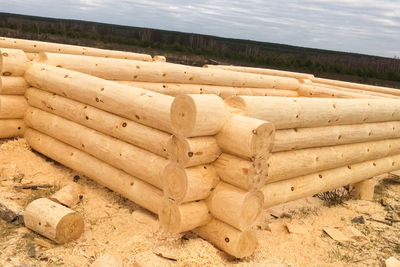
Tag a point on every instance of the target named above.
point(170, 217)
point(179, 151)
point(235, 102)
point(183, 115)
point(251, 209)
point(69, 228)
point(262, 139)
point(175, 182)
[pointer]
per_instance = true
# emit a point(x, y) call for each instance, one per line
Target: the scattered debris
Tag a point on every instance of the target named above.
point(296, 228)
point(108, 260)
point(335, 234)
point(392, 262)
point(359, 220)
point(11, 211)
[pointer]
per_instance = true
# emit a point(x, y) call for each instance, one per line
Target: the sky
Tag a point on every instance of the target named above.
point(360, 26)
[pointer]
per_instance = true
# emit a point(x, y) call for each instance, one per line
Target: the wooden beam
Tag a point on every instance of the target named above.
point(12, 107)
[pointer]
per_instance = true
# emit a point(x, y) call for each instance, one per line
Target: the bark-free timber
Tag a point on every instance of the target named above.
point(12, 128)
point(284, 165)
point(131, 159)
point(286, 112)
point(12, 107)
point(198, 115)
point(242, 173)
point(189, 184)
point(176, 218)
point(300, 138)
point(311, 90)
point(142, 193)
point(142, 106)
point(188, 152)
point(53, 220)
point(364, 190)
point(38, 46)
point(227, 238)
point(140, 71)
point(10, 85)
point(159, 59)
point(309, 185)
point(67, 195)
point(246, 137)
point(235, 206)
point(126, 130)
point(13, 62)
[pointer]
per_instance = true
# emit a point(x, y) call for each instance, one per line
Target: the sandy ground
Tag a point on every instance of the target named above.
point(115, 225)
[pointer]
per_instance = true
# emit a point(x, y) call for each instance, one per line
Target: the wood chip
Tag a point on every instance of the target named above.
point(296, 228)
point(149, 259)
point(277, 228)
point(43, 243)
point(392, 262)
point(354, 233)
point(335, 234)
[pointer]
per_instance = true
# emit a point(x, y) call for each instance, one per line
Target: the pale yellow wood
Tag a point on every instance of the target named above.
point(175, 218)
point(188, 152)
point(10, 85)
point(142, 106)
point(234, 206)
point(227, 238)
point(150, 259)
point(291, 139)
point(198, 115)
point(126, 130)
point(33, 46)
point(159, 59)
point(364, 190)
point(285, 112)
point(142, 193)
point(246, 137)
point(67, 195)
point(240, 172)
point(12, 128)
point(13, 62)
point(281, 73)
point(12, 107)
point(311, 90)
point(108, 260)
point(131, 159)
point(53, 220)
point(309, 185)
point(288, 164)
point(189, 184)
point(30, 56)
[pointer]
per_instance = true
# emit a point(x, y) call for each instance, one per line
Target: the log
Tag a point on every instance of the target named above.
point(30, 56)
point(142, 106)
point(10, 85)
point(12, 107)
point(314, 112)
point(33, 46)
point(175, 218)
point(311, 184)
point(13, 62)
point(53, 220)
point(242, 173)
point(198, 115)
point(140, 71)
point(12, 128)
point(288, 164)
point(246, 137)
point(159, 59)
point(300, 138)
point(108, 260)
point(273, 72)
point(189, 184)
point(364, 190)
point(175, 89)
point(68, 195)
point(311, 90)
point(188, 152)
point(225, 237)
point(131, 159)
point(126, 130)
point(128, 186)
point(235, 206)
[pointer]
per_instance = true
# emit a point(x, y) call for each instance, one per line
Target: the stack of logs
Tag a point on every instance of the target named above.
point(206, 160)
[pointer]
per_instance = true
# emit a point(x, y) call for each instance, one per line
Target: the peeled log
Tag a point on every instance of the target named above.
point(131, 159)
point(12, 128)
point(10, 85)
point(242, 173)
point(281, 73)
point(13, 62)
point(309, 185)
point(67, 195)
point(131, 70)
point(142, 106)
point(246, 137)
point(235, 206)
point(285, 165)
point(176, 218)
point(292, 139)
point(12, 107)
point(126, 130)
point(188, 152)
point(198, 115)
point(310, 90)
point(159, 59)
point(225, 237)
point(189, 184)
point(314, 112)
point(37, 47)
point(142, 193)
point(53, 220)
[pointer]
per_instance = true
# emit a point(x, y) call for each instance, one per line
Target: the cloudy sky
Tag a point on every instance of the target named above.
point(362, 26)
